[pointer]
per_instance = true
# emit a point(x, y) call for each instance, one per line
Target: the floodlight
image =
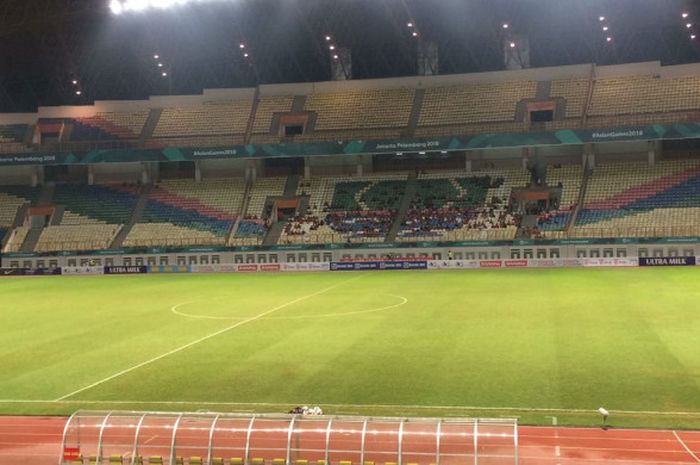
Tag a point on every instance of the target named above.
point(155, 57)
point(601, 18)
point(241, 46)
point(692, 36)
point(75, 83)
point(328, 38)
point(609, 39)
point(164, 74)
point(415, 34)
point(689, 25)
point(409, 24)
point(684, 15)
point(115, 7)
point(335, 57)
point(332, 47)
point(605, 28)
point(505, 26)
point(512, 45)
point(245, 55)
point(160, 65)
point(78, 92)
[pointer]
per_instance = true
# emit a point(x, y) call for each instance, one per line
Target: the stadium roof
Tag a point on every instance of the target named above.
point(77, 51)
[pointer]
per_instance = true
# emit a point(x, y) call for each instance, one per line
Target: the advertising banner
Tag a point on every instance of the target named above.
point(213, 268)
point(248, 268)
point(667, 261)
point(516, 263)
point(380, 265)
point(170, 269)
point(306, 266)
point(355, 147)
point(452, 264)
point(593, 262)
point(271, 267)
point(126, 269)
point(11, 271)
point(491, 264)
point(82, 270)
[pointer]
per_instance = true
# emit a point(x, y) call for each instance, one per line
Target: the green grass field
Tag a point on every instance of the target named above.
point(487, 343)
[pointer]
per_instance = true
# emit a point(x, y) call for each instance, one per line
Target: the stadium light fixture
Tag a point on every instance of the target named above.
point(119, 7)
point(335, 57)
point(409, 24)
point(160, 65)
point(332, 47)
point(506, 25)
point(684, 15)
point(692, 36)
point(245, 55)
point(328, 38)
point(241, 46)
point(689, 25)
point(608, 39)
point(155, 57)
point(601, 18)
point(74, 82)
point(415, 34)
point(605, 28)
point(78, 92)
point(512, 45)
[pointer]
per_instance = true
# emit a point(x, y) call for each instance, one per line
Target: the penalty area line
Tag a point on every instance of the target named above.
point(344, 406)
point(205, 338)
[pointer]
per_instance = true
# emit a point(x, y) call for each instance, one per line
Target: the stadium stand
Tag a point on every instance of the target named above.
point(551, 224)
point(633, 199)
point(16, 239)
point(267, 107)
point(187, 213)
point(345, 208)
point(260, 191)
point(366, 114)
point(474, 104)
point(120, 125)
point(12, 198)
point(457, 206)
point(81, 234)
point(575, 92)
point(644, 94)
point(209, 124)
point(11, 136)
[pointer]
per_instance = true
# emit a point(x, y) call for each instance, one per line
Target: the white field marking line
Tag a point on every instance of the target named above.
point(692, 454)
point(403, 299)
point(205, 338)
point(380, 406)
point(150, 439)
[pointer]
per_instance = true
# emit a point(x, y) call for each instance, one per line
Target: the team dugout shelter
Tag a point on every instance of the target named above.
point(157, 438)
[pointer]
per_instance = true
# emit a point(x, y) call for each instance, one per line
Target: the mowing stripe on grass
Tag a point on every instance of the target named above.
point(205, 338)
point(285, 405)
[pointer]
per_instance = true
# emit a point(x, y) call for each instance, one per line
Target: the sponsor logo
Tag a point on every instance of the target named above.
point(126, 269)
point(490, 264)
point(247, 268)
point(272, 267)
point(667, 261)
point(516, 263)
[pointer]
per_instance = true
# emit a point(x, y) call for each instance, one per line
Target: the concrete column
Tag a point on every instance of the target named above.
point(91, 175)
point(307, 168)
point(468, 165)
point(651, 152)
point(144, 173)
point(360, 167)
point(197, 171)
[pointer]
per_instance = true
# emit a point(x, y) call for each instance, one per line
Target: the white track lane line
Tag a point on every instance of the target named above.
point(205, 338)
point(692, 454)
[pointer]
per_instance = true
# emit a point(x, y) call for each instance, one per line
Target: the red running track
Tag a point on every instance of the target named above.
point(36, 441)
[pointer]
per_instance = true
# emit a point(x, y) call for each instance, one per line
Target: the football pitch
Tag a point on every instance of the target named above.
point(535, 344)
